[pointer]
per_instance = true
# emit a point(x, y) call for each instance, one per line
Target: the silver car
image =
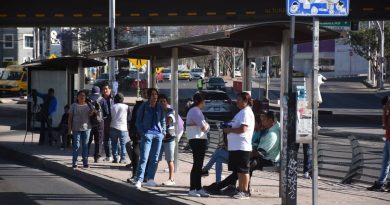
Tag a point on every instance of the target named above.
point(218, 104)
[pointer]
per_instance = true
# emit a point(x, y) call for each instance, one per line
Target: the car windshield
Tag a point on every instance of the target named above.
point(217, 96)
point(103, 76)
point(184, 72)
point(196, 70)
point(9, 75)
point(166, 71)
point(216, 80)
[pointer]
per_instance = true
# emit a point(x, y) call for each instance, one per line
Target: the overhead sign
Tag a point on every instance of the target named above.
point(138, 63)
point(337, 25)
point(317, 7)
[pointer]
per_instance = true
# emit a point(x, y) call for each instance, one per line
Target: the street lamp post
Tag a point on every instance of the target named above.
point(381, 26)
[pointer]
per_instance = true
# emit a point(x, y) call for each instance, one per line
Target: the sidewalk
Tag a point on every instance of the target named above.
point(112, 177)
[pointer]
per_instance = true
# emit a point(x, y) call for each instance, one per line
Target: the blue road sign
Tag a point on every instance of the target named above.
point(317, 7)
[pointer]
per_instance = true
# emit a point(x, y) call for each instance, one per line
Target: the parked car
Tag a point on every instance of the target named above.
point(218, 105)
point(215, 83)
point(237, 72)
point(102, 79)
point(184, 75)
point(196, 73)
point(13, 80)
point(166, 74)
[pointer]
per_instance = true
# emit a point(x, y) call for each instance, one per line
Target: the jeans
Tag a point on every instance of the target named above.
point(83, 136)
point(123, 137)
point(96, 135)
point(198, 147)
point(106, 138)
point(149, 151)
point(219, 156)
point(306, 157)
point(385, 163)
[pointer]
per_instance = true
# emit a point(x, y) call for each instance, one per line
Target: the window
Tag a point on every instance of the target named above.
point(28, 41)
point(8, 41)
point(8, 59)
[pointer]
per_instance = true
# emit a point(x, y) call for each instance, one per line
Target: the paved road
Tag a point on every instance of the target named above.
point(23, 185)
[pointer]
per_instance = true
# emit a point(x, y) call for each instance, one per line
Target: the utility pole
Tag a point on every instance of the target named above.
point(112, 38)
point(381, 26)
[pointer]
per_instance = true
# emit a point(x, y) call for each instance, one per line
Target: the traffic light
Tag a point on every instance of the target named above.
point(354, 25)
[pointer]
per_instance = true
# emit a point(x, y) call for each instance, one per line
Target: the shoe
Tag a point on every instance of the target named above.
point(137, 184)
point(231, 190)
point(129, 166)
point(107, 159)
point(212, 189)
point(151, 183)
point(205, 173)
point(74, 166)
point(86, 166)
point(306, 175)
point(131, 180)
point(376, 187)
point(97, 160)
point(123, 161)
point(203, 193)
point(115, 160)
point(193, 193)
point(170, 182)
point(241, 195)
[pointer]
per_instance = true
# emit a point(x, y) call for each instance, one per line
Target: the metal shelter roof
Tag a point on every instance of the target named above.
point(152, 50)
point(69, 62)
point(260, 35)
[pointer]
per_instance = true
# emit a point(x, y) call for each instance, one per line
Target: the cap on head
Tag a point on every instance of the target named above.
point(95, 89)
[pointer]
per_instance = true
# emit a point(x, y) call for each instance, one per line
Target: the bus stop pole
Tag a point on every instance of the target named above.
point(314, 106)
point(112, 32)
point(175, 99)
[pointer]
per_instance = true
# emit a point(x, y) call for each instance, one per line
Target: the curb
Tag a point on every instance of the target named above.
point(344, 135)
point(113, 186)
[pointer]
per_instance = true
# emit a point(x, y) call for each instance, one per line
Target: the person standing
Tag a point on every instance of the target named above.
point(379, 185)
point(97, 130)
point(197, 129)
point(120, 112)
point(150, 125)
point(80, 127)
point(107, 102)
point(133, 146)
point(200, 83)
point(48, 108)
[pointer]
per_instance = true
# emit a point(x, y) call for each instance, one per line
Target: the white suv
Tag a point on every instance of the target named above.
point(196, 73)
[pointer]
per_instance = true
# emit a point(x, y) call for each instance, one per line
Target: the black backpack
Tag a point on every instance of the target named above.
point(97, 118)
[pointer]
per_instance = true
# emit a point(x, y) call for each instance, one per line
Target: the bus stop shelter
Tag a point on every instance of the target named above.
point(64, 74)
point(158, 55)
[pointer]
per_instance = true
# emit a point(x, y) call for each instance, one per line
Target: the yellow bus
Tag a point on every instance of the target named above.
point(13, 80)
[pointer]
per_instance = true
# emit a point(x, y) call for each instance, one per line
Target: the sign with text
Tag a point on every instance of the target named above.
point(317, 8)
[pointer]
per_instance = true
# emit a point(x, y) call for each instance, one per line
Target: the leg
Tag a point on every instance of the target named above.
point(50, 129)
point(129, 150)
point(135, 157)
point(42, 133)
point(90, 138)
point(222, 157)
point(198, 148)
point(63, 134)
point(98, 141)
point(385, 163)
point(106, 138)
point(306, 158)
point(212, 160)
point(170, 157)
point(230, 180)
point(76, 147)
point(123, 140)
point(243, 179)
point(114, 142)
point(146, 142)
point(154, 153)
point(84, 141)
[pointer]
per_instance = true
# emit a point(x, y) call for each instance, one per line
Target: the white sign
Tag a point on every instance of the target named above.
point(53, 38)
point(304, 116)
point(317, 7)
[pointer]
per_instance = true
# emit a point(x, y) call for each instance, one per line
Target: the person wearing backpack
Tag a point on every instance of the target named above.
point(107, 102)
point(97, 122)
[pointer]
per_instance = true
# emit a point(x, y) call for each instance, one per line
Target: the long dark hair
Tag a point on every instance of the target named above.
point(197, 98)
point(78, 93)
point(246, 98)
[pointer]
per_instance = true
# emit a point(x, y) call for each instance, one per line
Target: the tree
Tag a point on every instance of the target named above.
point(366, 43)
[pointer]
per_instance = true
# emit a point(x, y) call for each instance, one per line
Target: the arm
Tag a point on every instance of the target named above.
point(237, 130)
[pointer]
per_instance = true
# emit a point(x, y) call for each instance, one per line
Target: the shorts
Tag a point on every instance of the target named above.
point(169, 149)
point(239, 161)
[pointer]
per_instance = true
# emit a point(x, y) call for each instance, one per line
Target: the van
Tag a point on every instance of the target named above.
point(13, 80)
point(196, 73)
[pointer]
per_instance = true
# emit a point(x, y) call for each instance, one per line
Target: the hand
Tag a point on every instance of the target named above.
point(226, 130)
point(69, 132)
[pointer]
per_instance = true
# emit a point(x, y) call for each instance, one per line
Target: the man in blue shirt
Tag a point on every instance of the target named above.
point(48, 108)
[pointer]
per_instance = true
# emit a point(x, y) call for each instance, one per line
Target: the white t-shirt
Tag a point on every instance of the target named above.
point(119, 116)
point(242, 141)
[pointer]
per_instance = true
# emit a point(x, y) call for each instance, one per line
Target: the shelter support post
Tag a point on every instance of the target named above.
point(267, 78)
point(81, 75)
point(284, 57)
point(152, 81)
point(314, 106)
point(247, 78)
point(112, 32)
point(175, 97)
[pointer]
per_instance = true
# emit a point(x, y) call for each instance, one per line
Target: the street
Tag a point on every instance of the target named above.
point(24, 185)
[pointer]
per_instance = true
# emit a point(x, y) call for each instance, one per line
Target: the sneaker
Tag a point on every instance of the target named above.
point(203, 193)
point(122, 161)
point(241, 195)
point(151, 183)
point(131, 180)
point(107, 159)
point(74, 166)
point(115, 160)
point(205, 173)
point(138, 184)
point(376, 187)
point(306, 175)
point(170, 182)
point(212, 189)
point(193, 193)
point(231, 190)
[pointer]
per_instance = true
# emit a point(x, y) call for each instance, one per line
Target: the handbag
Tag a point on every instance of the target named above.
point(194, 132)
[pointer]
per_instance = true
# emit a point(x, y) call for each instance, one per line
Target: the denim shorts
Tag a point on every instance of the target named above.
point(169, 149)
